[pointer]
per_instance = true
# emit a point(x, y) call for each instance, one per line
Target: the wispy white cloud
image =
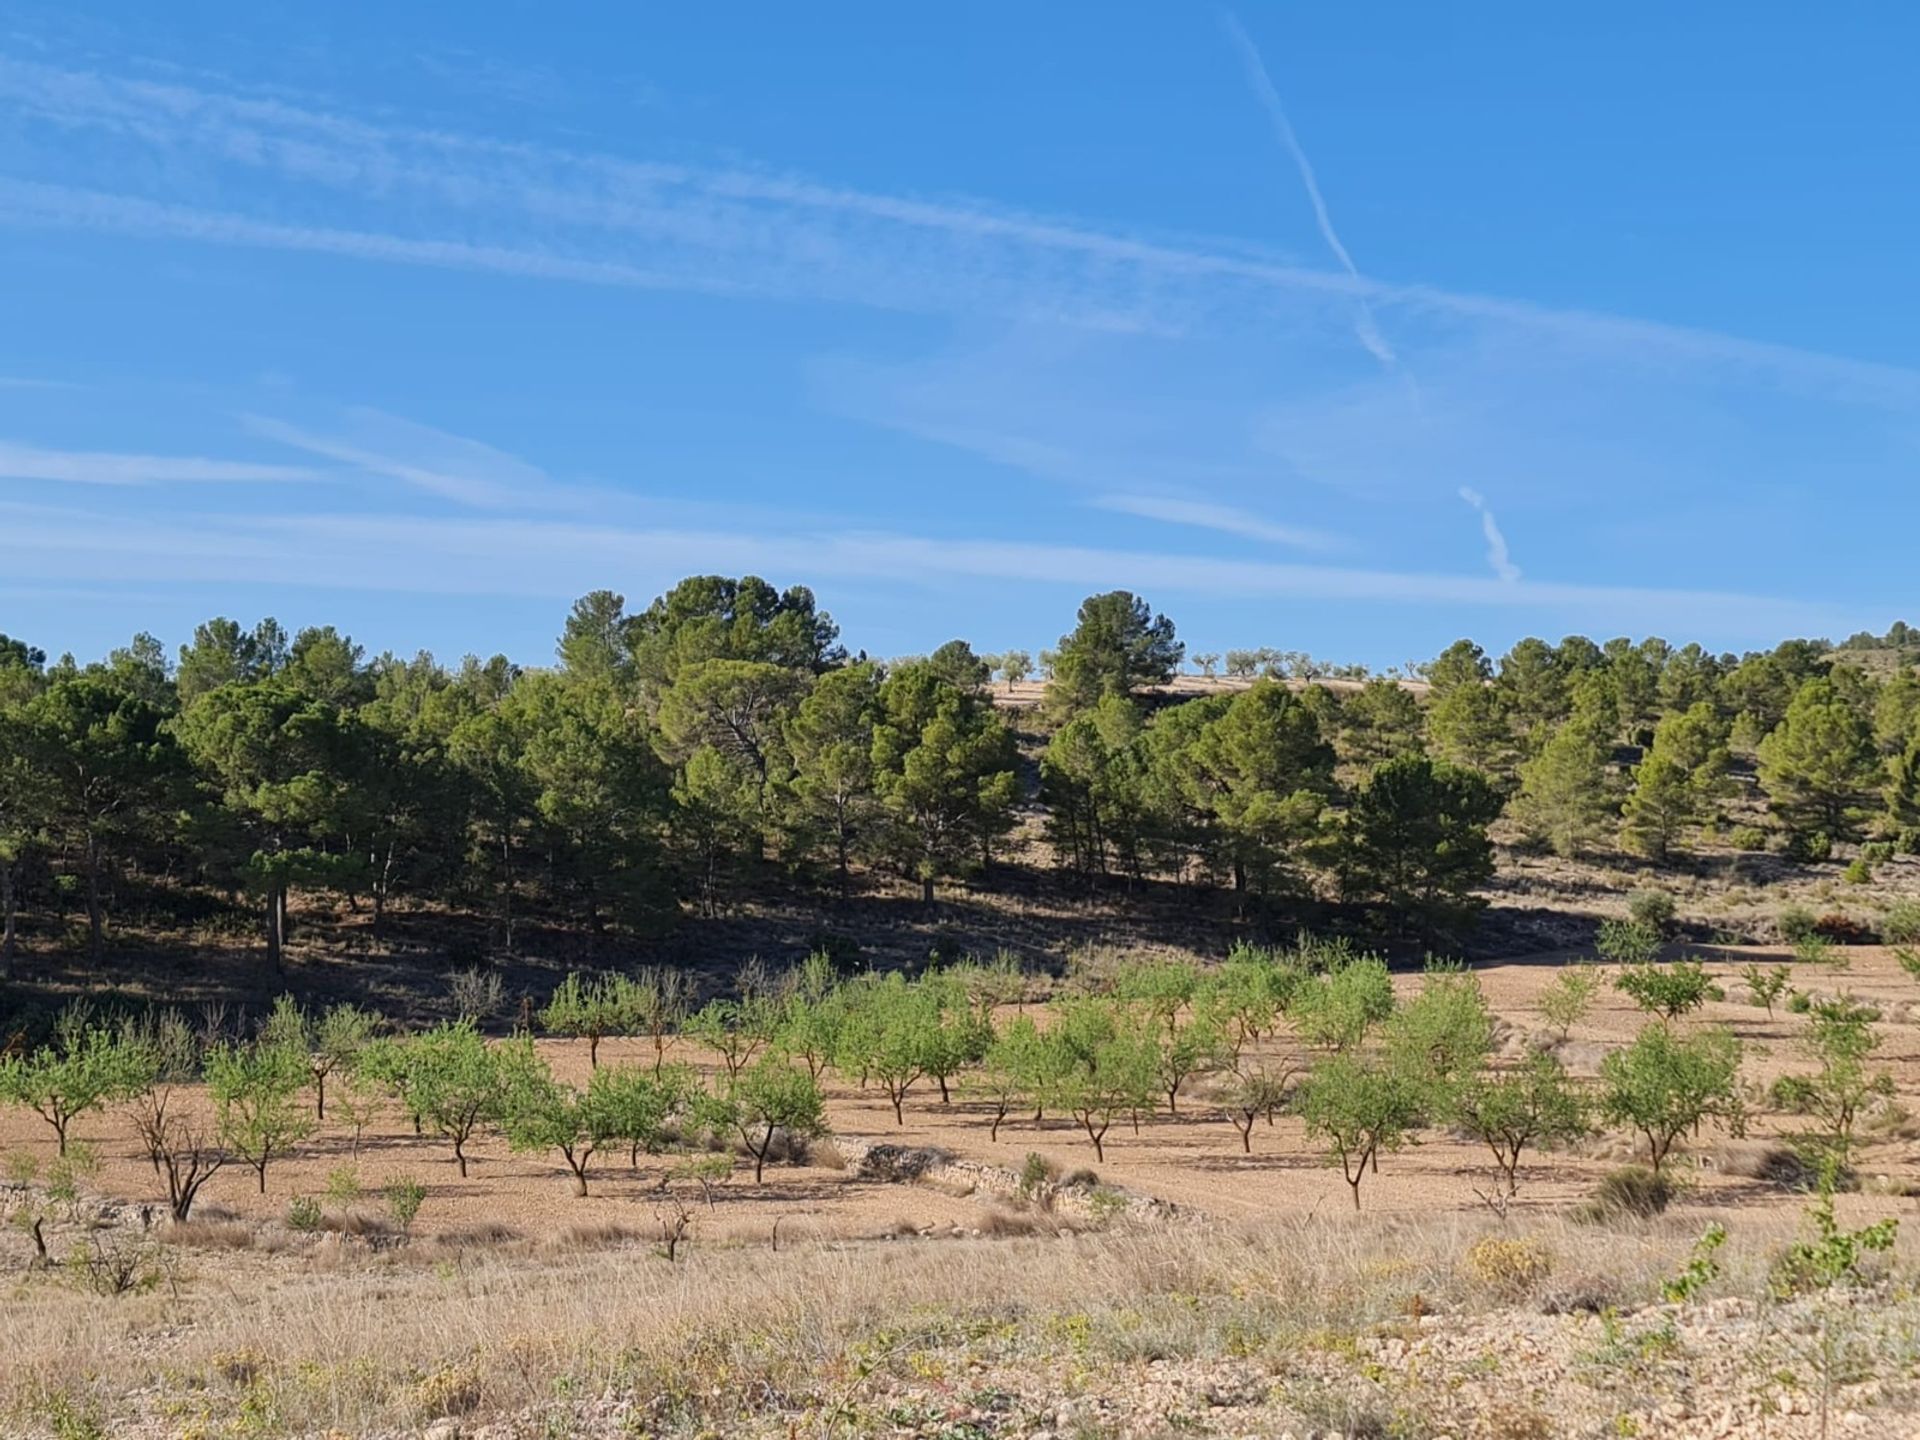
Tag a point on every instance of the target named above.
point(95, 467)
point(528, 557)
point(451, 467)
point(1227, 519)
point(429, 198)
point(1364, 327)
point(1499, 560)
point(26, 203)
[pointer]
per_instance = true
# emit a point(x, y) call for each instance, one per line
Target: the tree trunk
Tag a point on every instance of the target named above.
point(96, 926)
point(926, 890)
point(6, 919)
point(275, 922)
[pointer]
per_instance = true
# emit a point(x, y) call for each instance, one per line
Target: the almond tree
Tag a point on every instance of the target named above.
point(1358, 1108)
point(256, 1091)
point(769, 1099)
point(1513, 1111)
point(84, 1072)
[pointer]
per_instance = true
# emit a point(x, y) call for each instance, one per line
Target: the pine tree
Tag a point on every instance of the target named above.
point(1683, 772)
point(1818, 766)
point(1566, 796)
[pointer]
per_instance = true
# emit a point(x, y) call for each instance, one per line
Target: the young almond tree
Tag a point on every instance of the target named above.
point(1192, 1047)
point(1009, 1073)
point(1104, 1067)
point(810, 1028)
point(1665, 1085)
point(539, 1112)
point(256, 1091)
point(890, 1035)
point(454, 1081)
point(735, 1030)
point(959, 1034)
point(1841, 1041)
point(1248, 1097)
point(591, 1010)
point(1669, 991)
point(86, 1071)
point(1513, 1111)
point(1358, 1108)
point(331, 1042)
point(660, 1006)
point(1243, 997)
point(766, 1100)
point(1335, 1010)
point(1441, 1037)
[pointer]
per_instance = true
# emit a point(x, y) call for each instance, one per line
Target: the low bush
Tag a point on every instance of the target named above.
point(1651, 908)
point(1507, 1268)
point(303, 1214)
point(1750, 838)
point(1813, 849)
point(1627, 942)
point(1631, 1193)
point(1796, 923)
point(1901, 924)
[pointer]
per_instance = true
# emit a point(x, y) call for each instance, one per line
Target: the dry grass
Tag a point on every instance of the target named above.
point(380, 1342)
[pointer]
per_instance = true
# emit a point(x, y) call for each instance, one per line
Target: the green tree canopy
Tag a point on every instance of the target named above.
point(1117, 645)
point(1416, 840)
point(1819, 765)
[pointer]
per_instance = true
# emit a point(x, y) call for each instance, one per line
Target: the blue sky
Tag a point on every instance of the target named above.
point(1349, 329)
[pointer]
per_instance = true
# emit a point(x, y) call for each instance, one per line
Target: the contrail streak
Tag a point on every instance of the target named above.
point(1364, 327)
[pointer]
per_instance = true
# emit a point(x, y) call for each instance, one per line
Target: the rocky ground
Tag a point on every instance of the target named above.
point(1726, 1368)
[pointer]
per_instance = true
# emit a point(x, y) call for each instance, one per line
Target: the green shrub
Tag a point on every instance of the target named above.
point(1750, 838)
point(1036, 1174)
point(1669, 990)
point(1799, 1003)
point(1627, 942)
point(1901, 924)
point(1812, 849)
point(405, 1195)
point(1796, 923)
point(303, 1213)
point(1813, 950)
point(1858, 872)
point(1651, 908)
point(343, 1185)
